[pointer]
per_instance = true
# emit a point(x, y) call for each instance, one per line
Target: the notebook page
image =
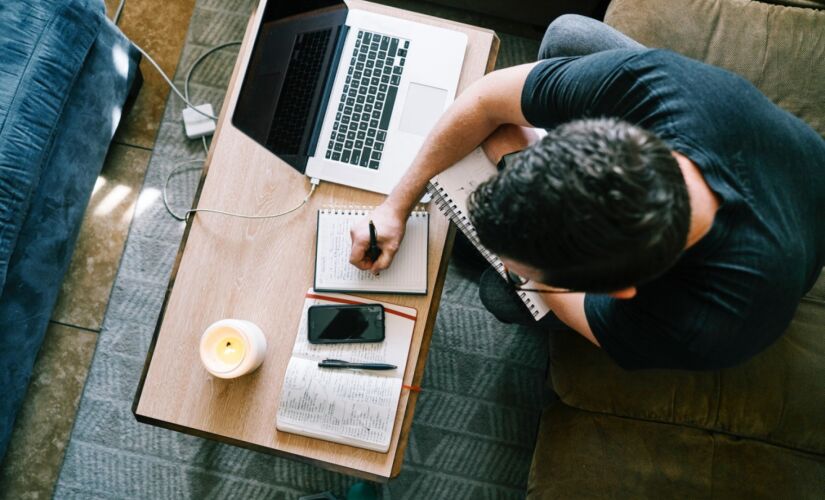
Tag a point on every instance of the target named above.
point(346, 406)
point(465, 176)
point(354, 407)
point(333, 271)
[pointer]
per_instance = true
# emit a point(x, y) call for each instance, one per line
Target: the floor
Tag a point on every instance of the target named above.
point(45, 421)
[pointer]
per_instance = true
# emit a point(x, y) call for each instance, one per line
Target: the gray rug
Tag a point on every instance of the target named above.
point(476, 419)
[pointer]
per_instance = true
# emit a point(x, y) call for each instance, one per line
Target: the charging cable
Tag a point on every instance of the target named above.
point(177, 169)
point(118, 12)
point(192, 70)
point(172, 85)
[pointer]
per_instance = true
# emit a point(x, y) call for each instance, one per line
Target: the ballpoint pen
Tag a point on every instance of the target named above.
point(338, 363)
point(373, 251)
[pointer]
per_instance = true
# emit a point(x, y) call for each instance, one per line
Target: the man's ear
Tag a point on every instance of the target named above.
point(624, 293)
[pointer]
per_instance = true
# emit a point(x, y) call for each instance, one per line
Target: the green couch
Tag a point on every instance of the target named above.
point(753, 431)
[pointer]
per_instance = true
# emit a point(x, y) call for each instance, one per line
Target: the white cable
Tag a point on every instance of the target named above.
point(169, 81)
point(185, 216)
point(177, 166)
point(116, 17)
point(192, 70)
point(154, 63)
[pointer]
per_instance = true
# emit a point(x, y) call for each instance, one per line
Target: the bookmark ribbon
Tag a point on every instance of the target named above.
point(354, 302)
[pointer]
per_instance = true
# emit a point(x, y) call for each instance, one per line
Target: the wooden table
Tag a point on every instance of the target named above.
point(259, 270)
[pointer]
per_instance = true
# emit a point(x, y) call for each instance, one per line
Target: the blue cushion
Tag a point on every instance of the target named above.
point(55, 165)
point(43, 46)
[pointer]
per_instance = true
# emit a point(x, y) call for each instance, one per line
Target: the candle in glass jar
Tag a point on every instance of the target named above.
point(230, 348)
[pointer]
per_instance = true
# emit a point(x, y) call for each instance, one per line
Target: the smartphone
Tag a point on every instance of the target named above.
point(334, 324)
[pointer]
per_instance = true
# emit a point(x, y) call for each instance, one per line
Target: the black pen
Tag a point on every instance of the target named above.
point(373, 251)
point(338, 363)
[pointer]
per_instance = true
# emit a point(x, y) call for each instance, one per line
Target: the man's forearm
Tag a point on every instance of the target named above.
point(473, 116)
point(569, 308)
point(459, 131)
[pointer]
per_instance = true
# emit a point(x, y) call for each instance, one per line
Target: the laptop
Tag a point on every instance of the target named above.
point(346, 95)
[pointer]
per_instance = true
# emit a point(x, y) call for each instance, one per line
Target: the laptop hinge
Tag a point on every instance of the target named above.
point(327, 90)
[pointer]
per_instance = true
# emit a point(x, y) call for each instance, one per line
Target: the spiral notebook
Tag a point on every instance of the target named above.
point(334, 273)
point(450, 191)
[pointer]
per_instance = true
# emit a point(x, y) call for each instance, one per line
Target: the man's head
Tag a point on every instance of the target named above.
point(597, 205)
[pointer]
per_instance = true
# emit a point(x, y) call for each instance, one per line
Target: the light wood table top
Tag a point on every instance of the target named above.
point(259, 270)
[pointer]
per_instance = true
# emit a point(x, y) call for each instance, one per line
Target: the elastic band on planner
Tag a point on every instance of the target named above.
point(412, 388)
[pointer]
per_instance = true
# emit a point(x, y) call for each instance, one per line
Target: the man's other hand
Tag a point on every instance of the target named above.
point(390, 226)
point(507, 138)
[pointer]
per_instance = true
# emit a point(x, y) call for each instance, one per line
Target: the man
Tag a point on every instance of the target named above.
point(670, 215)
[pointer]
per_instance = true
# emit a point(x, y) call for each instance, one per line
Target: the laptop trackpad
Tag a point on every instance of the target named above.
point(422, 108)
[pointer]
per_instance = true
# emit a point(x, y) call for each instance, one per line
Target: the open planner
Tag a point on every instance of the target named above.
point(334, 273)
point(352, 407)
point(450, 191)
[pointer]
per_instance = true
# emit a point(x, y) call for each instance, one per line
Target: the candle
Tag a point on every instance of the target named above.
point(230, 348)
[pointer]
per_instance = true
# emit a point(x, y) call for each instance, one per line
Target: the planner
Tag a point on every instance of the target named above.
point(334, 273)
point(450, 191)
point(348, 406)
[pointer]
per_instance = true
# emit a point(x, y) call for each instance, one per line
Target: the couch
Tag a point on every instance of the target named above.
point(753, 431)
point(65, 75)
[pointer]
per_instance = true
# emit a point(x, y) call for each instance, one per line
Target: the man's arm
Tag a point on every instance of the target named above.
point(507, 138)
point(569, 308)
point(490, 102)
point(488, 112)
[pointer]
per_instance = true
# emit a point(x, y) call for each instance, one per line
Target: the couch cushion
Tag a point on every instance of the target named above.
point(43, 47)
point(82, 134)
point(778, 396)
point(779, 49)
point(610, 457)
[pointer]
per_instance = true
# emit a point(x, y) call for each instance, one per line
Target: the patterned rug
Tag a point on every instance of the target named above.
point(476, 419)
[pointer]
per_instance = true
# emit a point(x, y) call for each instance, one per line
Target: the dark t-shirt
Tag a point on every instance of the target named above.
point(734, 292)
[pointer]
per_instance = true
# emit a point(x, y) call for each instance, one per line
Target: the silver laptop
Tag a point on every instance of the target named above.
point(346, 95)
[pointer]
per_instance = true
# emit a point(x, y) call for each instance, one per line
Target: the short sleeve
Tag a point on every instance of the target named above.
point(562, 89)
point(671, 325)
point(630, 335)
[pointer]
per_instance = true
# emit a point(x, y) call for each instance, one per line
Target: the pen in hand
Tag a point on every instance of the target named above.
point(338, 363)
point(373, 251)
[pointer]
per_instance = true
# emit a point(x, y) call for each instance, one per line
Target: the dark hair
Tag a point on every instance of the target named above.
point(596, 205)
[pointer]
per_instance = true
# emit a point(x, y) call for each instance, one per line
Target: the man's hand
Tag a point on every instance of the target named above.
point(390, 225)
point(507, 138)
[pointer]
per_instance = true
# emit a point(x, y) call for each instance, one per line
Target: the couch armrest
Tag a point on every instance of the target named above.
point(43, 46)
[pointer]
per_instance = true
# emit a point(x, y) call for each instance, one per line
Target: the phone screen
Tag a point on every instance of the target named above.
point(346, 323)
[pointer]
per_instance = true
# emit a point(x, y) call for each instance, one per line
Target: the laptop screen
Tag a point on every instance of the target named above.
point(282, 92)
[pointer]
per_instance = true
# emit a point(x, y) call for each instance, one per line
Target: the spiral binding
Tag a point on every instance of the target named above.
point(364, 210)
point(449, 208)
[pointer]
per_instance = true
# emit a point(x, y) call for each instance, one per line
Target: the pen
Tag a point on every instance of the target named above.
point(338, 363)
point(373, 251)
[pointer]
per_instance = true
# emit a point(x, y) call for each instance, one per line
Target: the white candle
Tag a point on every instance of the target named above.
point(230, 348)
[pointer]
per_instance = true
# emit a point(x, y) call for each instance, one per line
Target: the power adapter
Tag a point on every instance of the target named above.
point(196, 124)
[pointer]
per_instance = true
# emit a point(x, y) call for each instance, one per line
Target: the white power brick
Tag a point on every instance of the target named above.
point(196, 124)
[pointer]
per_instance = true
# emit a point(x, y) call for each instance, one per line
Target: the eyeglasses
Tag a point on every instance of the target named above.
point(518, 283)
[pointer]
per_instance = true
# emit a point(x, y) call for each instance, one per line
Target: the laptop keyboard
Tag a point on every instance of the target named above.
point(293, 110)
point(360, 128)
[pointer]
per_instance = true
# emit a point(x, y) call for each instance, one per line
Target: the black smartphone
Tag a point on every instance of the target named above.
point(333, 324)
